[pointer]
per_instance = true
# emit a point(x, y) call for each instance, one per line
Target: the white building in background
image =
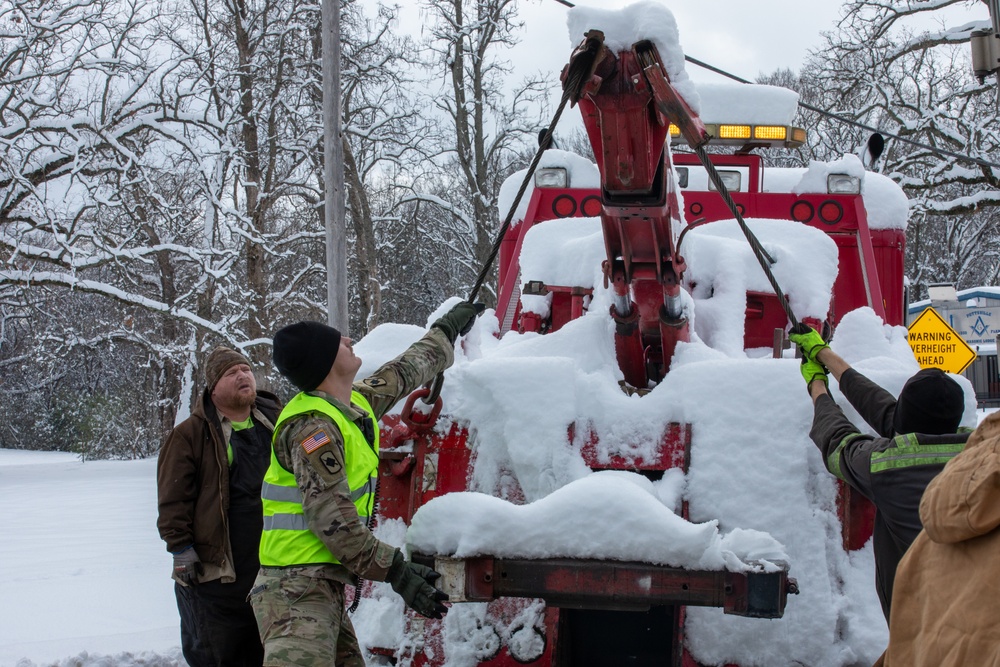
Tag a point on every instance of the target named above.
point(974, 314)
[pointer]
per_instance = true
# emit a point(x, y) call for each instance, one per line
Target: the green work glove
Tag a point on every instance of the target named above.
point(808, 340)
point(813, 370)
point(459, 320)
point(187, 566)
point(414, 583)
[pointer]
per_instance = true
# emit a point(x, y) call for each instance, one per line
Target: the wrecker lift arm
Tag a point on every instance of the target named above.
point(628, 104)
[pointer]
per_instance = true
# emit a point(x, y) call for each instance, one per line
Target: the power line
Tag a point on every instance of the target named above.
point(942, 152)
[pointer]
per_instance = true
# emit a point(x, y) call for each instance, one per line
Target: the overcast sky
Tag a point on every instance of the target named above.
point(745, 38)
point(741, 37)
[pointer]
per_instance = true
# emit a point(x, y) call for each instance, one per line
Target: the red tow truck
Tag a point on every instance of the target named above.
point(575, 611)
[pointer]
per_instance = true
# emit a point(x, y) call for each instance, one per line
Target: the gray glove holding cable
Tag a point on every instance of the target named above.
point(187, 566)
point(415, 584)
point(459, 320)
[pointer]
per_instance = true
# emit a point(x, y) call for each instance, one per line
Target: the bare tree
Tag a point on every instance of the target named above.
point(489, 118)
point(918, 86)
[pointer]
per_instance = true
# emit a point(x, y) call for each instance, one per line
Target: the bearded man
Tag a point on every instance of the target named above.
point(209, 476)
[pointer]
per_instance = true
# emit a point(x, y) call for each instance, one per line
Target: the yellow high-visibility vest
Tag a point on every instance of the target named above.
point(286, 539)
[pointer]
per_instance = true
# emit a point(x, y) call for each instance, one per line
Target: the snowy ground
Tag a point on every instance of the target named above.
point(86, 579)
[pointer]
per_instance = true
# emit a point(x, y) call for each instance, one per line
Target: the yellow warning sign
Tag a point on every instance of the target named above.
point(936, 345)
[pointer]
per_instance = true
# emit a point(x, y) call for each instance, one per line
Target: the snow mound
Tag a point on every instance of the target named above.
point(573, 522)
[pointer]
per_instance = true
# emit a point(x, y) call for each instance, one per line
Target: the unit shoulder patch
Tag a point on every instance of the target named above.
point(374, 382)
point(318, 438)
point(330, 462)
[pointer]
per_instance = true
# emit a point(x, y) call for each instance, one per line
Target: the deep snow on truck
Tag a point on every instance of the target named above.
point(618, 468)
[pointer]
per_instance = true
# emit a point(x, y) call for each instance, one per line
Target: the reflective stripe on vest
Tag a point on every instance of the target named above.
point(908, 452)
point(833, 460)
point(287, 539)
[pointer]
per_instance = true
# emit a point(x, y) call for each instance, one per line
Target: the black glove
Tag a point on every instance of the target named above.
point(414, 583)
point(187, 566)
point(459, 320)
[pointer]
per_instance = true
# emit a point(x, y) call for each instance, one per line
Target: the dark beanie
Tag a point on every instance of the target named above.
point(930, 402)
point(220, 360)
point(305, 352)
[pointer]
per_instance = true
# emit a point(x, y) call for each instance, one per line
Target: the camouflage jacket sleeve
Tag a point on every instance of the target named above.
point(326, 496)
point(417, 365)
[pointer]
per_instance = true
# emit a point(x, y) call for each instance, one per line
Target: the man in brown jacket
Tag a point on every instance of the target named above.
point(209, 476)
point(946, 601)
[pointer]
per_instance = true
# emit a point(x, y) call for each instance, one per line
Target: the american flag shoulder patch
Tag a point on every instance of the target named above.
point(315, 441)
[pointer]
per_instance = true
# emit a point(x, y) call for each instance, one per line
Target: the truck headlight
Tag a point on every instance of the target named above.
point(842, 184)
point(731, 179)
point(551, 177)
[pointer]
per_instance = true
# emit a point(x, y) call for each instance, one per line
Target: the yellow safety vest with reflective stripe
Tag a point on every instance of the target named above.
point(286, 539)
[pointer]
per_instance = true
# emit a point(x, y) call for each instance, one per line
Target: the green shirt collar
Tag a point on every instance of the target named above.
point(243, 425)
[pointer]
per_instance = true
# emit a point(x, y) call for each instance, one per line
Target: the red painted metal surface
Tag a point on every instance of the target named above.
point(627, 107)
point(617, 585)
point(870, 261)
point(673, 450)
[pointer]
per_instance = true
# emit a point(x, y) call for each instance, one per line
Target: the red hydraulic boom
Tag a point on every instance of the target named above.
point(628, 104)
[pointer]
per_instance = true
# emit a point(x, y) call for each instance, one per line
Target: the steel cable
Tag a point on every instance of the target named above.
point(545, 141)
point(763, 258)
point(571, 87)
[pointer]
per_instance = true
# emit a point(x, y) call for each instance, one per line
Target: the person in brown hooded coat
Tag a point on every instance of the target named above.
point(946, 599)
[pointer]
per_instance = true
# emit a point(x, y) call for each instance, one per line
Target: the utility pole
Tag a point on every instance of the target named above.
point(333, 172)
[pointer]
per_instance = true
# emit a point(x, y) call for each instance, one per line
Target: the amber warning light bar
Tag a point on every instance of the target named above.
point(724, 134)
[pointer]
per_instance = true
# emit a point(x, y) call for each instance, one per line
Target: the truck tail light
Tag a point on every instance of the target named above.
point(591, 206)
point(842, 184)
point(551, 177)
point(564, 206)
point(734, 131)
point(831, 212)
point(802, 211)
point(770, 132)
point(731, 179)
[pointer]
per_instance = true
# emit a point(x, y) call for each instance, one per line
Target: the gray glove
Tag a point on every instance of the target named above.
point(414, 583)
point(187, 566)
point(459, 320)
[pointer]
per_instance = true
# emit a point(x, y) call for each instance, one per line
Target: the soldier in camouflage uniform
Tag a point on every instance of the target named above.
point(319, 491)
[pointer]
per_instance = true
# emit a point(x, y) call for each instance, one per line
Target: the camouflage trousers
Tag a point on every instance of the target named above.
point(303, 621)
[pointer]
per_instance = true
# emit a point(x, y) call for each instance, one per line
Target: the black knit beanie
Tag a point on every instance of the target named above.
point(930, 402)
point(305, 352)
